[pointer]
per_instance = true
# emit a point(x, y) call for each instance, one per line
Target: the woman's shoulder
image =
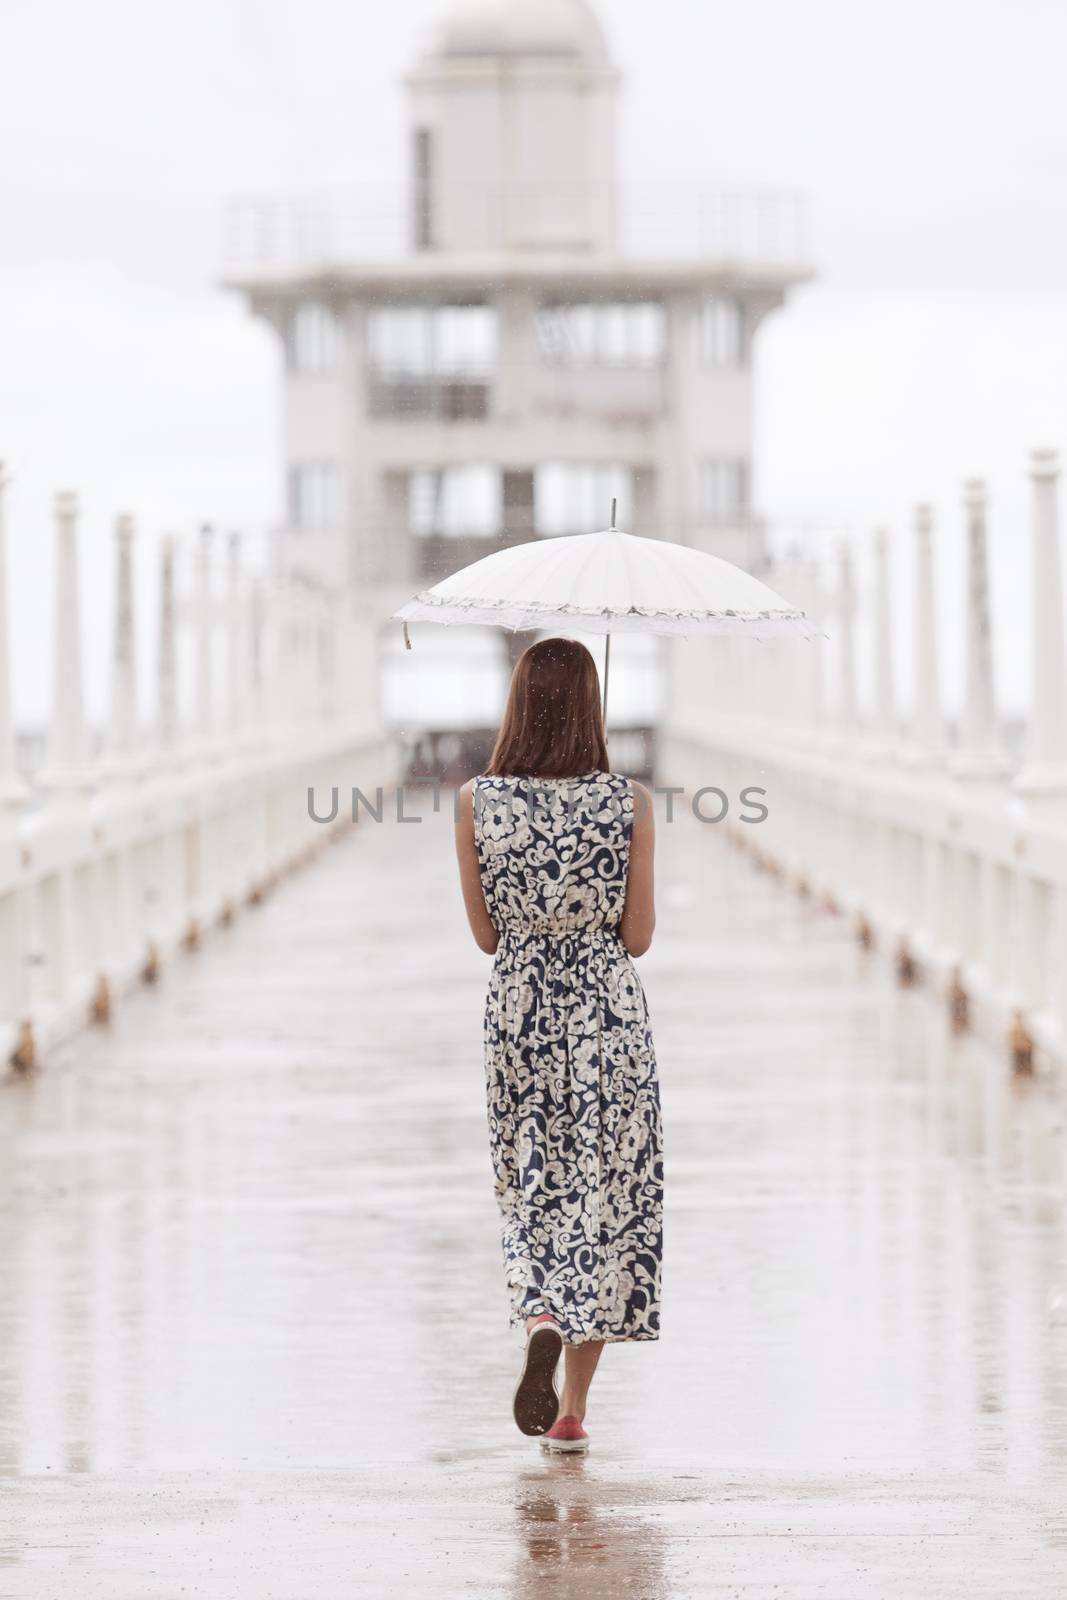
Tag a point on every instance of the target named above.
point(633, 799)
point(479, 790)
point(642, 802)
point(487, 789)
point(638, 790)
point(624, 783)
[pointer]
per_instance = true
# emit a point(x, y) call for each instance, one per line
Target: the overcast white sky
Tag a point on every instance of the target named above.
point(930, 134)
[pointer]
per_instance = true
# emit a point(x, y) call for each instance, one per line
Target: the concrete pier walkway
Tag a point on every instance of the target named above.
point(252, 1321)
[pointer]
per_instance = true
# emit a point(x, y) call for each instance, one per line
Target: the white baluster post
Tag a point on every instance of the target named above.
point(884, 692)
point(1042, 783)
point(257, 609)
point(849, 855)
point(813, 604)
point(1043, 780)
point(329, 632)
point(205, 638)
point(978, 756)
point(13, 906)
point(164, 889)
point(847, 713)
point(926, 750)
point(118, 902)
point(201, 880)
point(124, 738)
point(167, 653)
point(66, 776)
point(64, 914)
point(12, 790)
point(236, 664)
point(789, 700)
point(928, 732)
point(881, 851)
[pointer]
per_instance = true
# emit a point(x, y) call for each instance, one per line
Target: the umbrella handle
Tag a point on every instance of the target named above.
point(607, 664)
point(607, 649)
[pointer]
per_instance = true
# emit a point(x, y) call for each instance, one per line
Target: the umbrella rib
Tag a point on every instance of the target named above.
point(547, 578)
point(553, 572)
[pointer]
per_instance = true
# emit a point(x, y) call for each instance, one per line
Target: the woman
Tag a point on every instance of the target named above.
point(555, 855)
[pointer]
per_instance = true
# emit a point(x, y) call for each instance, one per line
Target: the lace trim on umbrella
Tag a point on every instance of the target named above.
point(428, 607)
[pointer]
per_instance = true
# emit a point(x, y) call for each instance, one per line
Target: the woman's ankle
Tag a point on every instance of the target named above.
point(540, 1317)
point(570, 1406)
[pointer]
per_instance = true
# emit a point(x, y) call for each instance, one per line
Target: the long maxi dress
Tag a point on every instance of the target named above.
point(572, 1087)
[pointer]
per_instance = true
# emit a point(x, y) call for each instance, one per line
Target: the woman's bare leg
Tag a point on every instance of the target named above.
point(580, 1364)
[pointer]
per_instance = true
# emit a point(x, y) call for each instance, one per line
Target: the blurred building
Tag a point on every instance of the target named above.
point(534, 339)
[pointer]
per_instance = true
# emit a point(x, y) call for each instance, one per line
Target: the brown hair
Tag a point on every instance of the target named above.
point(552, 725)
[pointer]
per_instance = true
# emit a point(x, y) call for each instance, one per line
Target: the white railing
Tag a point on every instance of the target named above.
point(111, 865)
point(374, 222)
point(949, 864)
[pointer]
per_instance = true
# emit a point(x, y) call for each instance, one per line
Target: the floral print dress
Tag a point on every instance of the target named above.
point(573, 1094)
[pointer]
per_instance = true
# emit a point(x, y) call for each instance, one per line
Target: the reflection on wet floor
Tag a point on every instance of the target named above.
point(252, 1276)
point(567, 1543)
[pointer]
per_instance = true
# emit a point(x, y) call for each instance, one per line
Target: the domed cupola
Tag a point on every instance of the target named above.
point(508, 28)
point(513, 129)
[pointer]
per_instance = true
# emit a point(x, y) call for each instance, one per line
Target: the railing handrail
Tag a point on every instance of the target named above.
point(373, 221)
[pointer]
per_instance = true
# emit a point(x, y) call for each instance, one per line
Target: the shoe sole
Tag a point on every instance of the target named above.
point(536, 1404)
point(565, 1447)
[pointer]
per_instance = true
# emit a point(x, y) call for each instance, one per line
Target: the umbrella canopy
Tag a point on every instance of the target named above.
point(609, 582)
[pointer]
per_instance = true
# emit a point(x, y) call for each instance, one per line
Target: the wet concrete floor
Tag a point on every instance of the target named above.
point(253, 1328)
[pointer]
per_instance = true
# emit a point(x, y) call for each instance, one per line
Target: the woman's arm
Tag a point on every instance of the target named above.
point(470, 877)
point(639, 911)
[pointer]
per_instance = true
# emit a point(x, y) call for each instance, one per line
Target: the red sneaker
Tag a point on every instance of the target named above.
point(536, 1403)
point(567, 1435)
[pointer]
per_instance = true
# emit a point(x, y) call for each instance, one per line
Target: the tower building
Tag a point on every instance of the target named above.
point(531, 341)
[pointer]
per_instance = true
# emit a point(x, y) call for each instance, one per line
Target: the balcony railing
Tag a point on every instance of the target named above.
point(417, 398)
point(322, 228)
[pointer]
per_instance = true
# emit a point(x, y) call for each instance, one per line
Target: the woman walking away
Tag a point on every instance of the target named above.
point(555, 855)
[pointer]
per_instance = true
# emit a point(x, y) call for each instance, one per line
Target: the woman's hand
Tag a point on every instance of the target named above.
point(639, 911)
point(485, 934)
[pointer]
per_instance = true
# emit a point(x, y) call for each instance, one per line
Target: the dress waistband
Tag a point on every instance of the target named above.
point(559, 936)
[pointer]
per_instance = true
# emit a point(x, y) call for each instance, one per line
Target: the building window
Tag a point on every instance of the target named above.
point(575, 497)
point(616, 334)
point(723, 489)
point(431, 342)
point(313, 339)
point(720, 331)
point(459, 502)
point(315, 500)
point(422, 189)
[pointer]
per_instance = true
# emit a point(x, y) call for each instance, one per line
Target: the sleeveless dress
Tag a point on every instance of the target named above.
point(573, 1093)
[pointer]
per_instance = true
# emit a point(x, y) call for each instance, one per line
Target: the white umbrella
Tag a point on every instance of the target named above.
point(609, 582)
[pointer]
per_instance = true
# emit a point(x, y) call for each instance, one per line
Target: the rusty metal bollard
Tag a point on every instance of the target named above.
point(1021, 1043)
point(150, 970)
point(100, 1005)
point(959, 1004)
point(907, 966)
point(24, 1055)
